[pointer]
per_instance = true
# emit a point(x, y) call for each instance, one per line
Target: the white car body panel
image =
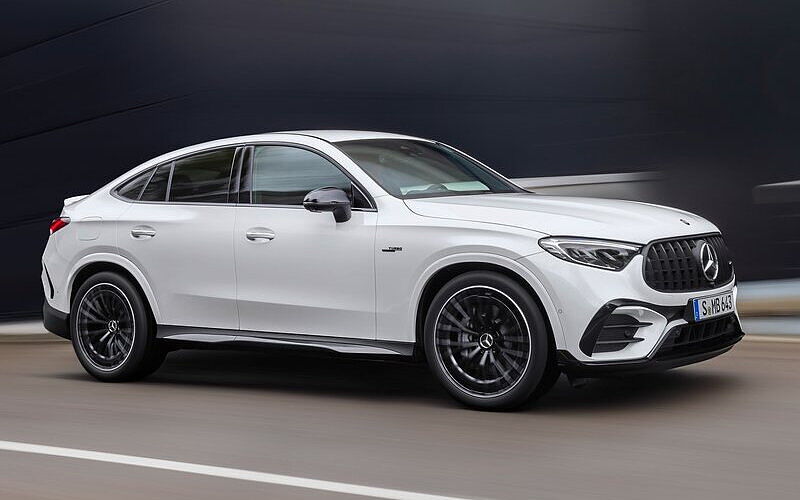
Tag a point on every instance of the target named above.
point(562, 215)
point(315, 277)
point(189, 263)
point(362, 279)
point(428, 245)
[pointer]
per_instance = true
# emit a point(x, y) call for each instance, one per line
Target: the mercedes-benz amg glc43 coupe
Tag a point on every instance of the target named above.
point(377, 244)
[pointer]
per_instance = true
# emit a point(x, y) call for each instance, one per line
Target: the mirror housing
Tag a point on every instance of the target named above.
point(329, 199)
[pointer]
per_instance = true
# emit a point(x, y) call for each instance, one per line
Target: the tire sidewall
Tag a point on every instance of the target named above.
point(538, 363)
point(141, 334)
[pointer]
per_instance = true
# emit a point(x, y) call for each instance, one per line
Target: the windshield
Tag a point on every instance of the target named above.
point(417, 169)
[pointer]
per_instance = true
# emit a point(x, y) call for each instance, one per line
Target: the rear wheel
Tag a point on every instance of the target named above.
point(112, 332)
point(487, 342)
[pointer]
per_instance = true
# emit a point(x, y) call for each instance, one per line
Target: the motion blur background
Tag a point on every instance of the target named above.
point(696, 103)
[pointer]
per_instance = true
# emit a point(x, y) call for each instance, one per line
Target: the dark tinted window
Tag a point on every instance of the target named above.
point(414, 169)
point(133, 188)
point(156, 189)
point(203, 177)
point(284, 175)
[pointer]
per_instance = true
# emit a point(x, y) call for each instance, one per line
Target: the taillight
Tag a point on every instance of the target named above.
point(58, 224)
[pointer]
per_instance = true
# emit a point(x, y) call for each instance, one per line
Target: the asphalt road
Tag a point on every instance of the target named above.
point(727, 428)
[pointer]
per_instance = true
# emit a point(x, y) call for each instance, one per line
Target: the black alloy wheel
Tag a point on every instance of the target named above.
point(487, 342)
point(112, 329)
point(105, 326)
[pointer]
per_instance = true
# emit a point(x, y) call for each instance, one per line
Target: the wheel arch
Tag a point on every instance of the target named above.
point(110, 262)
point(440, 275)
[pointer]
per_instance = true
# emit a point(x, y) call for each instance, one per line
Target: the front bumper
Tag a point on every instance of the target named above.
point(584, 299)
point(668, 355)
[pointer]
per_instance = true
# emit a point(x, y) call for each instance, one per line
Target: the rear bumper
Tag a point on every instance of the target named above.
point(55, 321)
point(665, 358)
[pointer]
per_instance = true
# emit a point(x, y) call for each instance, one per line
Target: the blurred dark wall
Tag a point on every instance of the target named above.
point(725, 76)
point(705, 91)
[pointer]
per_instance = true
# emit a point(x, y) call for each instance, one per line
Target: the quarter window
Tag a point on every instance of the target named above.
point(202, 178)
point(284, 175)
point(156, 189)
point(133, 188)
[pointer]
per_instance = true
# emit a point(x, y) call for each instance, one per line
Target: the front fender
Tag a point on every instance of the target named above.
point(483, 258)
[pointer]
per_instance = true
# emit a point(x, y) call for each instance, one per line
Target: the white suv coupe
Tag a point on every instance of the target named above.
point(367, 243)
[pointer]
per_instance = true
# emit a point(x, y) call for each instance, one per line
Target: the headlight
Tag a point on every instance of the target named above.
point(611, 255)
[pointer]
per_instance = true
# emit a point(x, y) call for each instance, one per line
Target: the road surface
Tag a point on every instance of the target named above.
point(727, 428)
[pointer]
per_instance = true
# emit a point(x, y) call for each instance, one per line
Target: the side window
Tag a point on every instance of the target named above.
point(156, 189)
point(284, 175)
point(202, 177)
point(133, 188)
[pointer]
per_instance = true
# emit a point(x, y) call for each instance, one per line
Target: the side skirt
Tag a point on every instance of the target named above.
point(188, 337)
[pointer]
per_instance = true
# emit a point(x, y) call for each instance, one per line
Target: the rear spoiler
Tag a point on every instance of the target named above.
point(74, 199)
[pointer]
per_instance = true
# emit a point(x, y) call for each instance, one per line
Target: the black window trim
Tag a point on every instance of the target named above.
point(357, 185)
point(236, 172)
point(169, 182)
point(151, 171)
point(248, 166)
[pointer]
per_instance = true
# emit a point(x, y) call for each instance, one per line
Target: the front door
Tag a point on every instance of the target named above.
point(298, 271)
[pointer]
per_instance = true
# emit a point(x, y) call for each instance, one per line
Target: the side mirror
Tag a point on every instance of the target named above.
point(329, 199)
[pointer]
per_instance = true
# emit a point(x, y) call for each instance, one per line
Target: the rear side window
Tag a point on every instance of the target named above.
point(156, 189)
point(202, 177)
point(284, 175)
point(133, 188)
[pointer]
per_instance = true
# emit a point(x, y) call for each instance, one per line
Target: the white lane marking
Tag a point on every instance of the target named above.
point(225, 472)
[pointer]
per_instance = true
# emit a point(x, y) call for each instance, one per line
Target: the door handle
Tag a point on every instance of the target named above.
point(260, 234)
point(142, 232)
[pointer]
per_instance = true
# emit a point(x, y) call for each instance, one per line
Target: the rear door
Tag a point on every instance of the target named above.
point(179, 232)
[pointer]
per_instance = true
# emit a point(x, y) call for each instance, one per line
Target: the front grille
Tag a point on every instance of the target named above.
point(691, 337)
point(673, 265)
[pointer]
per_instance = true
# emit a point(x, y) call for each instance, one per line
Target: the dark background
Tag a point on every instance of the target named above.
point(705, 92)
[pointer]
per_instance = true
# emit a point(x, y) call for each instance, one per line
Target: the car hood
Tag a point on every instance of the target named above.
point(630, 221)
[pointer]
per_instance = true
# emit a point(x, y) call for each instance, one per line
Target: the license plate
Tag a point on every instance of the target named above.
point(713, 306)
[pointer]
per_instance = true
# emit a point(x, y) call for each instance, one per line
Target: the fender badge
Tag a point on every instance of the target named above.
point(392, 249)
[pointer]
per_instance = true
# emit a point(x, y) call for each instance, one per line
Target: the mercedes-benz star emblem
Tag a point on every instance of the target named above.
point(486, 341)
point(709, 261)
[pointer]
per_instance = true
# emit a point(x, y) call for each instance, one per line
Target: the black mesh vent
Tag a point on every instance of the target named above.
point(672, 266)
point(692, 337)
point(617, 333)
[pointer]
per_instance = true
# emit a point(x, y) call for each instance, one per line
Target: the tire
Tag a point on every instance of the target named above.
point(487, 342)
point(113, 333)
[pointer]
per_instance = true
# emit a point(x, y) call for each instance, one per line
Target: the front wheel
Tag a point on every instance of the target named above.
point(112, 333)
point(487, 342)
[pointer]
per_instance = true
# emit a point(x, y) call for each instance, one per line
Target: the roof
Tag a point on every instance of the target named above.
point(325, 135)
point(347, 135)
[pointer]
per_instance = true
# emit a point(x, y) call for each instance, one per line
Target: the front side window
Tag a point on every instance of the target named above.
point(284, 175)
point(415, 169)
point(202, 177)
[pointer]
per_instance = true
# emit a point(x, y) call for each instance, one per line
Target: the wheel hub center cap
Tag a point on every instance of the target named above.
point(486, 341)
point(113, 326)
